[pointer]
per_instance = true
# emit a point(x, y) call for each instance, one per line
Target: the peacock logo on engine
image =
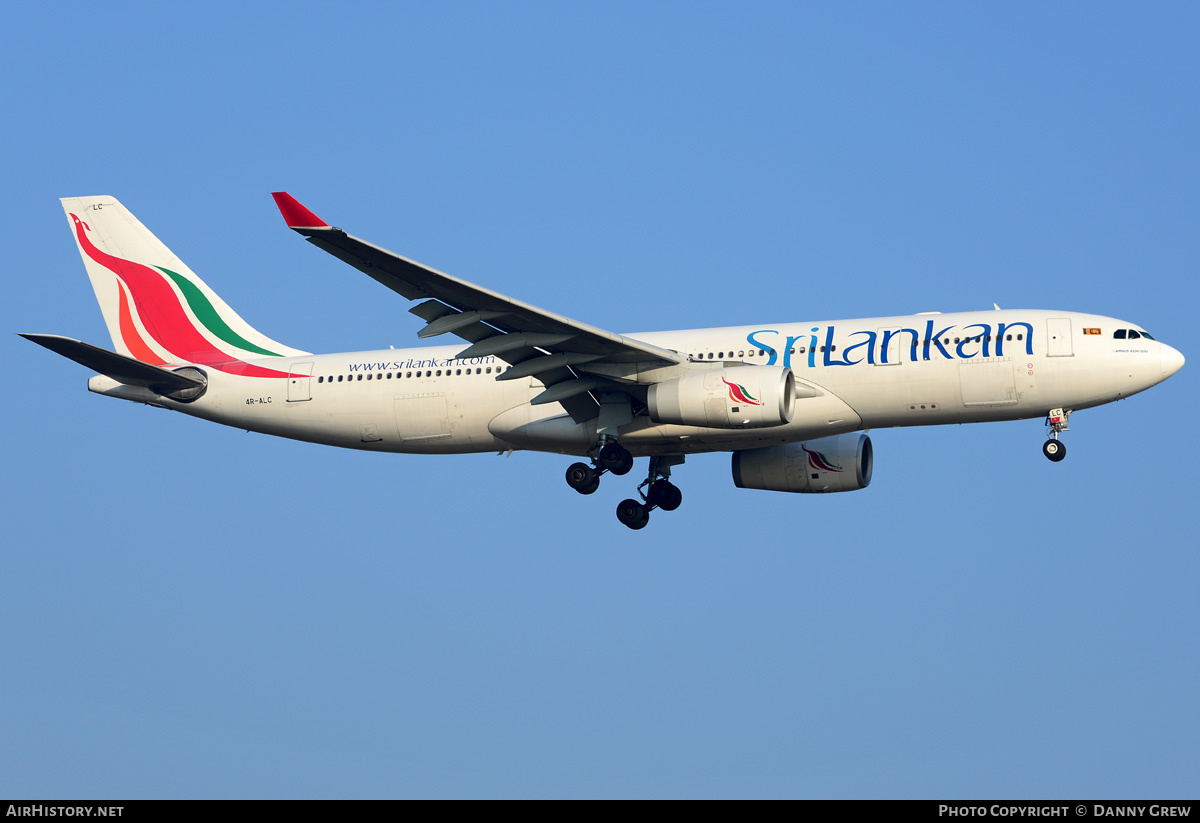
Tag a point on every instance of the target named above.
point(739, 394)
point(819, 461)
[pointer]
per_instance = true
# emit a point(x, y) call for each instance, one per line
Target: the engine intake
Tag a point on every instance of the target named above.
point(742, 397)
point(842, 463)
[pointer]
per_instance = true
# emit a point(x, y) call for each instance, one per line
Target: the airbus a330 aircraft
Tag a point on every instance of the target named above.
point(791, 401)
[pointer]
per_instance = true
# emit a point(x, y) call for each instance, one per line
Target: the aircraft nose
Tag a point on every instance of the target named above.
point(1172, 361)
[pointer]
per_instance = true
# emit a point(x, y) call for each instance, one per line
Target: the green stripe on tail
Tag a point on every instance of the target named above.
point(207, 314)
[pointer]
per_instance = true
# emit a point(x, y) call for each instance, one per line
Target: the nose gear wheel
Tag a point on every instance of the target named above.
point(1056, 420)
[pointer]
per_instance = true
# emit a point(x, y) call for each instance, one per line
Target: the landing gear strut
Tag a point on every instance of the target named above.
point(660, 493)
point(1054, 449)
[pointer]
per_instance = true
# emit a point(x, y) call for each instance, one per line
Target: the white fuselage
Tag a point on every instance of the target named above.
point(850, 374)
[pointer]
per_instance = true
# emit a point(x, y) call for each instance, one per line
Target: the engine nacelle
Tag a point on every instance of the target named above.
point(842, 463)
point(742, 397)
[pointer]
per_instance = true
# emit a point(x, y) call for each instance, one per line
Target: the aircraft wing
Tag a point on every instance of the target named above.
point(536, 342)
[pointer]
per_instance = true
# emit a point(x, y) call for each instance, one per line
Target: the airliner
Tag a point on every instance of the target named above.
point(792, 402)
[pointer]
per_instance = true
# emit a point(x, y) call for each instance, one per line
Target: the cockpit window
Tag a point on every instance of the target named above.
point(1146, 335)
point(1133, 335)
point(1119, 334)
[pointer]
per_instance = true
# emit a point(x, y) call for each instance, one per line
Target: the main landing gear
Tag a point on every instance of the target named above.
point(607, 456)
point(660, 493)
point(611, 456)
point(1054, 449)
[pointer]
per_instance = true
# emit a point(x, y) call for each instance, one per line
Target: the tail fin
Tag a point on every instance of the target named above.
point(156, 308)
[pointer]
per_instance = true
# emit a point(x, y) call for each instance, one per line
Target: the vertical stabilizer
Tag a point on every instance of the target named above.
point(156, 308)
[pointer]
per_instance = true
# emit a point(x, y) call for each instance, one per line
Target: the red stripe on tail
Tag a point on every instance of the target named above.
point(129, 333)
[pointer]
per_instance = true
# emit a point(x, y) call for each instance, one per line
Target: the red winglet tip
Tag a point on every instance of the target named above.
point(295, 214)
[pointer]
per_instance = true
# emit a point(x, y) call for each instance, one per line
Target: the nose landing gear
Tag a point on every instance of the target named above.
point(1054, 449)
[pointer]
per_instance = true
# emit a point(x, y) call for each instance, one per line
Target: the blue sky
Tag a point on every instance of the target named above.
point(194, 611)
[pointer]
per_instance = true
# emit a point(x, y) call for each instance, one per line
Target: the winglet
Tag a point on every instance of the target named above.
point(295, 214)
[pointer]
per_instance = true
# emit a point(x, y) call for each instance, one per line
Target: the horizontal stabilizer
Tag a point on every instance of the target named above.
point(117, 366)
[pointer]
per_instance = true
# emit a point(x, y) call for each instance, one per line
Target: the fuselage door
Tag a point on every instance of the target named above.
point(298, 383)
point(1058, 337)
point(889, 354)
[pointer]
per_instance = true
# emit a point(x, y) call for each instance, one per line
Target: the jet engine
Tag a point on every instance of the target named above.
point(841, 463)
point(732, 398)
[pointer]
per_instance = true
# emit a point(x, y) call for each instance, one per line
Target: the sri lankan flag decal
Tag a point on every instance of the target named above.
point(738, 394)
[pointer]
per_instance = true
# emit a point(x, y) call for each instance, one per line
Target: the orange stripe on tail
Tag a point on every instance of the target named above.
point(129, 333)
